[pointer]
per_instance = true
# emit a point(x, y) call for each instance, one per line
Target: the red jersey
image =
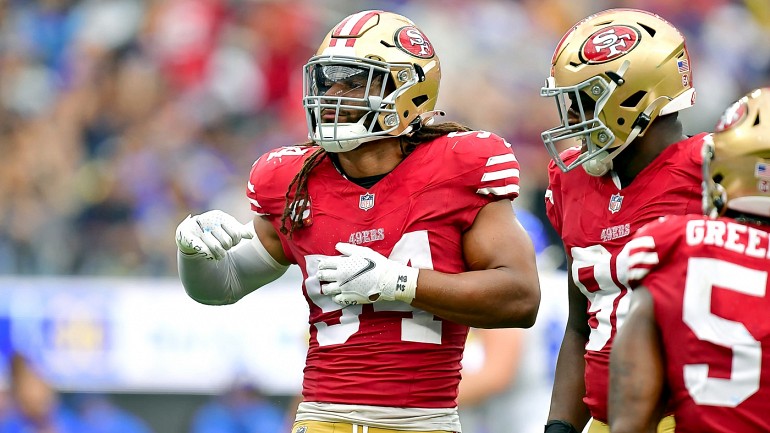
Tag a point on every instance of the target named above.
point(387, 353)
point(595, 218)
point(711, 295)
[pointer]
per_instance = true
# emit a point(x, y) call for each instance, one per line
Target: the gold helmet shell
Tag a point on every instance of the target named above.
point(619, 69)
point(736, 160)
point(402, 75)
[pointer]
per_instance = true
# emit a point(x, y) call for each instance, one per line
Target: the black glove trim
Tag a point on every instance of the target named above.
point(559, 426)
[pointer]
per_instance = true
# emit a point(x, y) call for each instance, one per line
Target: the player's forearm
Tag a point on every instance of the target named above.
point(569, 381)
point(245, 268)
point(637, 370)
point(634, 397)
point(492, 298)
point(208, 281)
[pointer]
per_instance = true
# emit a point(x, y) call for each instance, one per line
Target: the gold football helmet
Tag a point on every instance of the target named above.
point(616, 71)
point(375, 75)
point(736, 159)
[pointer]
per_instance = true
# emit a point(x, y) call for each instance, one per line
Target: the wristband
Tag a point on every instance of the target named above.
point(559, 426)
point(406, 284)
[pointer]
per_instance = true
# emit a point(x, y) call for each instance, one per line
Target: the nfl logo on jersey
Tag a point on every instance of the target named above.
point(366, 202)
point(615, 201)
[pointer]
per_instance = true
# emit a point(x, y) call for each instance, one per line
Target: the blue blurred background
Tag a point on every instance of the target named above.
point(120, 117)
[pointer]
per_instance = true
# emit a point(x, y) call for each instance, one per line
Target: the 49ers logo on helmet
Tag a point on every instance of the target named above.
point(609, 43)
point(732, 116)
point(414, 42)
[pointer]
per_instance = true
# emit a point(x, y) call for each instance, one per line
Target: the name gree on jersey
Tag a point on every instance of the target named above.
point(727, 235)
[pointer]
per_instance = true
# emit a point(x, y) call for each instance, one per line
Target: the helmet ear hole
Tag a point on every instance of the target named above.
point(633, 100)
point(419, 100)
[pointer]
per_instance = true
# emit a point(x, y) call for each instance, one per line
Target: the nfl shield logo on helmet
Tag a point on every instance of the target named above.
point(615, 201)
point(366, 202)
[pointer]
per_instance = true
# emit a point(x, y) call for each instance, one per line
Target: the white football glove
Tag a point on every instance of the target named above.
point(211, 234)
point(363, 276)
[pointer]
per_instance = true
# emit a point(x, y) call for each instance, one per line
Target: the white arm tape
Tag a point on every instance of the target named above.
point(247, 267)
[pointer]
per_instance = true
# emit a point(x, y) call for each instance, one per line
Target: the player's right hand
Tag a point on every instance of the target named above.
point(211, 234)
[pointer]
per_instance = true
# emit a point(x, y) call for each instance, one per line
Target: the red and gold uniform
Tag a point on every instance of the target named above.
point(711, 295)
point(595, 218)
point(387, 353)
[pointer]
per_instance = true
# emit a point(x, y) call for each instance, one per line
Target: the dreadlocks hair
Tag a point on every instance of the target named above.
point(297, 203)
point(295, 206)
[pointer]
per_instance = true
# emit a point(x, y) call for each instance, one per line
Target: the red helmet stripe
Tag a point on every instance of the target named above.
point(360, 24)
point(353, 24)
point(350, 27)
point(338, 30)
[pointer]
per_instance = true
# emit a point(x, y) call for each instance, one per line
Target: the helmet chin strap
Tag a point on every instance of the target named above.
point(602, 164)
point(357, 129)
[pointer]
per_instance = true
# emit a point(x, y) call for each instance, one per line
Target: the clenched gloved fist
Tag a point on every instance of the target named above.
point(363, 276)
point(211, 234)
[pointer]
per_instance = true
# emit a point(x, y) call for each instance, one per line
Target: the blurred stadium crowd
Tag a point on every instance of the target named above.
point(117, 117)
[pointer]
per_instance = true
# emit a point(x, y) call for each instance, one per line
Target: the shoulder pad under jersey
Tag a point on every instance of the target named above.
point(486, 162)
point(271, 175)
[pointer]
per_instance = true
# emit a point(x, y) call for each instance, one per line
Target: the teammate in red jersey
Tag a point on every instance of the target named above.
point(697, 335)
point(619, 78)
point(403, 230)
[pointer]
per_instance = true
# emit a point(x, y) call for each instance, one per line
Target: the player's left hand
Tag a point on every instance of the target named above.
point(362, 276)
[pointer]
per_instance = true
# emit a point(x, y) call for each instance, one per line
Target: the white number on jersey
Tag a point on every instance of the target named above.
point(596, 282)
point(702, 275)
point(422, 327)
point(288, 151)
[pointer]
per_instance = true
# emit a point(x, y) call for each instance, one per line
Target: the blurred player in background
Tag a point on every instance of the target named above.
point(35, 405)
point(508, 373)
point(704, 280)
point(403, 229)
point(618, 78)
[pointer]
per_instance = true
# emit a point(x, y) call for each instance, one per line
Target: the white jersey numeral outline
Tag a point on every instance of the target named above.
point(702, 275)
point(602, 299)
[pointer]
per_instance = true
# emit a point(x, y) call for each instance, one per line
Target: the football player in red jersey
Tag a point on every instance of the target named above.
point(403, 230)
point(619, 78)
point(697, 335)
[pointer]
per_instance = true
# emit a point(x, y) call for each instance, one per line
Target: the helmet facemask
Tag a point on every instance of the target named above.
point(361, 96)
point(634, 65)
point(594, 136)
point(714, 195)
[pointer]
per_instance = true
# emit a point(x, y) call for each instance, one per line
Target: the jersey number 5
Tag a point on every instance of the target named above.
point(702, 275)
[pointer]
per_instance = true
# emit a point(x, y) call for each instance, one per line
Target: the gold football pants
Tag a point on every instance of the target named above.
point(666, 425)
point(341, 427)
